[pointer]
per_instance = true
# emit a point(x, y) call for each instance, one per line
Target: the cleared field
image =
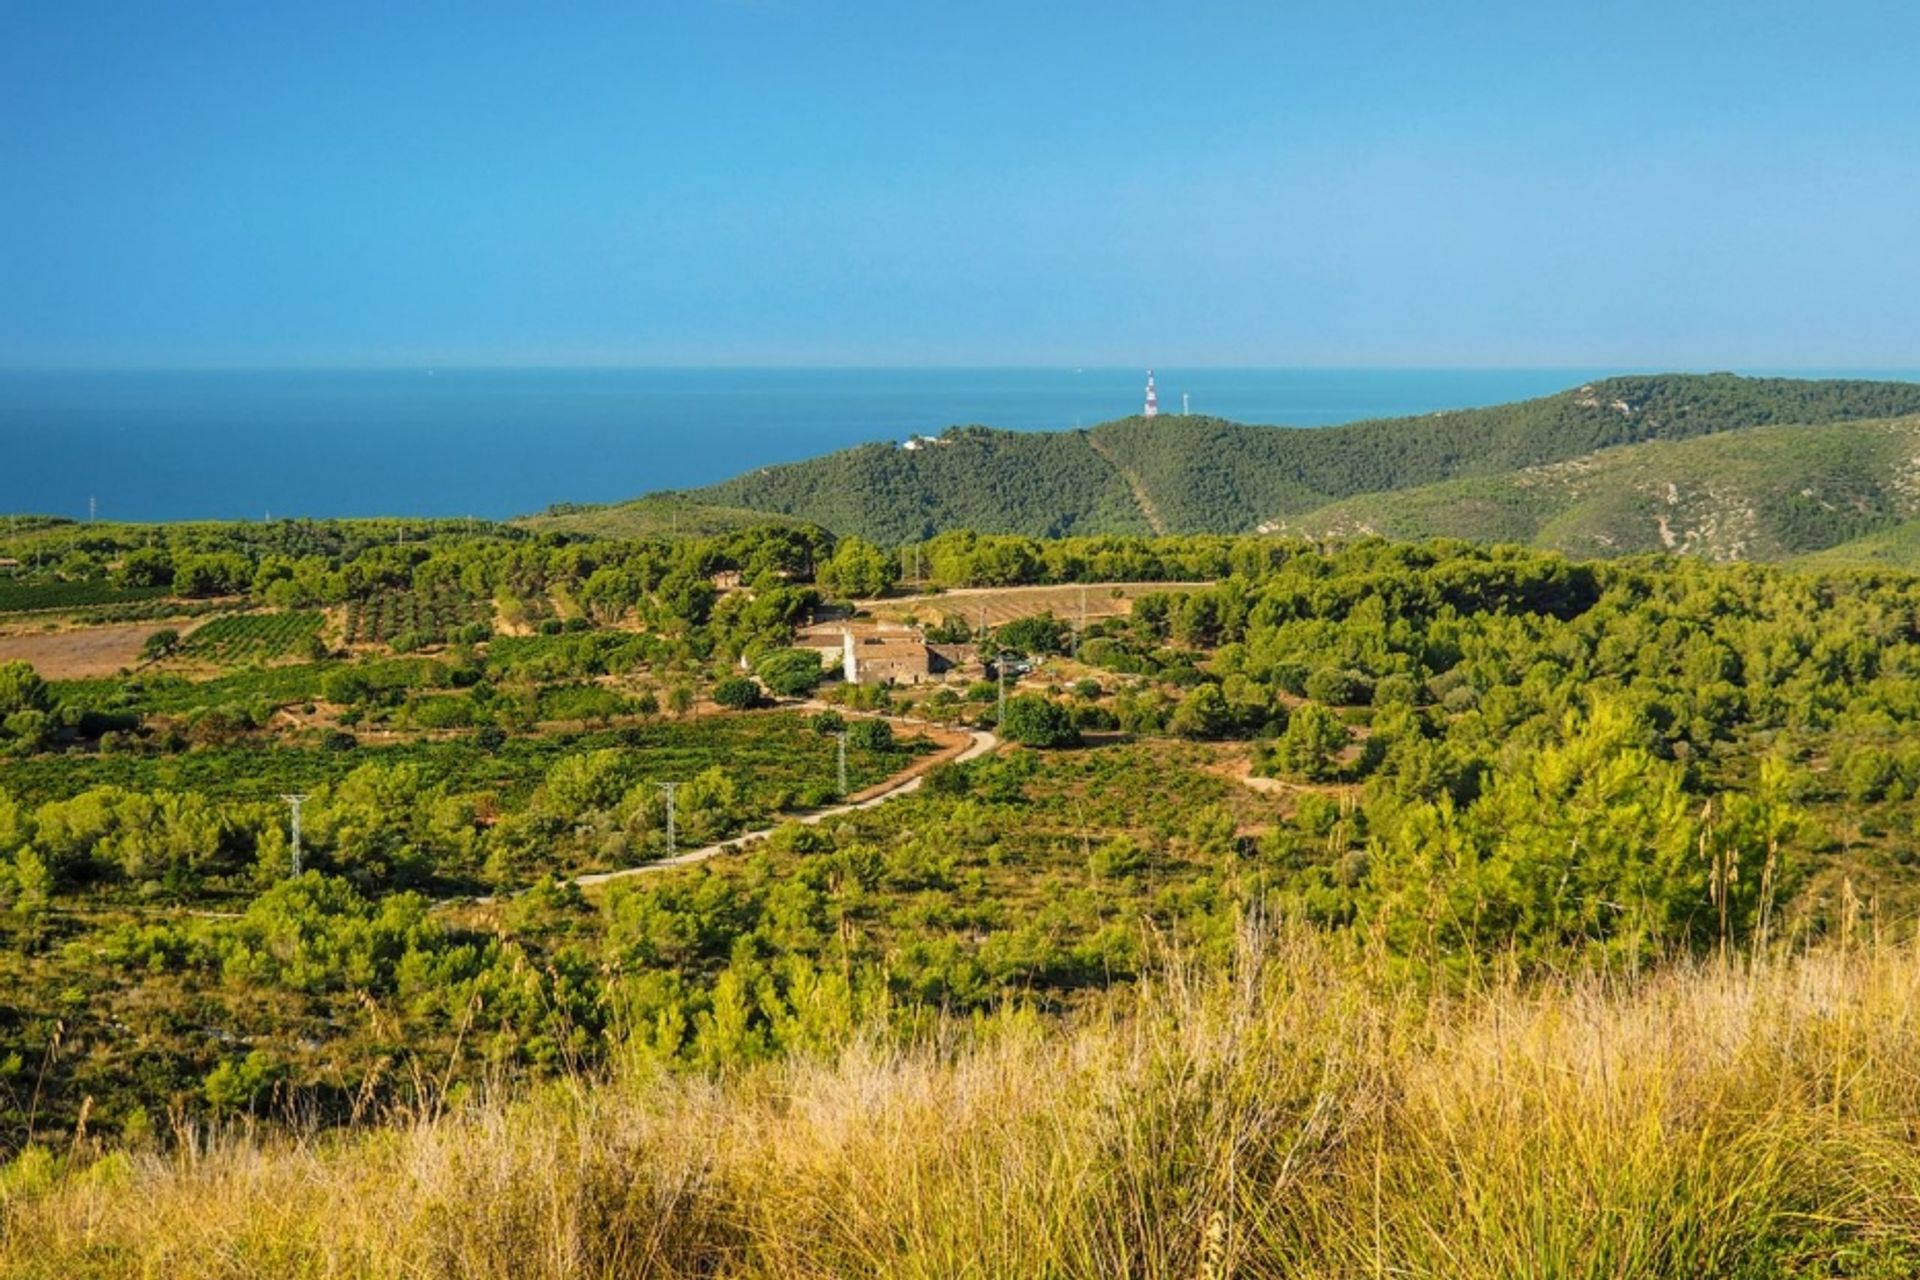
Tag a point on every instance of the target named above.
point(80, 653)
point(999, 605)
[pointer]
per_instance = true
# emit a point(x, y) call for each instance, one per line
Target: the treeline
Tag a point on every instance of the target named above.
point(666, 584)
point(291, 564)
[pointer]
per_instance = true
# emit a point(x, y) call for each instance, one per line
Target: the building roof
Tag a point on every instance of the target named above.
point(871, 647)
point(825, 632)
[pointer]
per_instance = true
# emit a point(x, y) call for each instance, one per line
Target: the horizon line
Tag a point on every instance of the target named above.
point(434, 368)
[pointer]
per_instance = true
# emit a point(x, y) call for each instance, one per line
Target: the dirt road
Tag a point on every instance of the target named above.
point(979, 743)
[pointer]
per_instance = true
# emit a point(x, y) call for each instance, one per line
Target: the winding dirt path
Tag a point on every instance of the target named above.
point(979, 743)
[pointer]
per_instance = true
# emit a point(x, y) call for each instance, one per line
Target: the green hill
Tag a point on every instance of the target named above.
point(1183, 474)
point(1765, 493)
point(1218, 476)
point(1047, 484)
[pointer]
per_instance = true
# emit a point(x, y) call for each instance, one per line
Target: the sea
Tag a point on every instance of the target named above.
point(495, 443)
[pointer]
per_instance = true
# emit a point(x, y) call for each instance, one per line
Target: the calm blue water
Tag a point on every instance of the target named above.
point(495, 443)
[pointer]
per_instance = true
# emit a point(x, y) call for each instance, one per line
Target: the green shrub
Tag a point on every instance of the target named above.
point(870, 735)
point(737, 693)
point(1035, 721)
point(790, 673)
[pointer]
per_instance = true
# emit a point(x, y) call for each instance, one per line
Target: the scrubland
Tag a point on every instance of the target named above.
point(1301, 1112)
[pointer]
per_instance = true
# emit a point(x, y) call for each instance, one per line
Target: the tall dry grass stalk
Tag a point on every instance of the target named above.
point(1301, 1116)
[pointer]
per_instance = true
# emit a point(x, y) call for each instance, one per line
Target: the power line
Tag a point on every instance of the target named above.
point(672, 834)
point(295, 802)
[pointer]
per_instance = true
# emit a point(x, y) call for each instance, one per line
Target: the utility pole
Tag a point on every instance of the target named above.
point(672, 835)
point(1000, 665)
point(1077, 635)
point(294, 802)
point(93, 509)
point(842, 736)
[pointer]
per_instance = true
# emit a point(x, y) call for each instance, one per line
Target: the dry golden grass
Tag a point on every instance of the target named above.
point(1299, 1117)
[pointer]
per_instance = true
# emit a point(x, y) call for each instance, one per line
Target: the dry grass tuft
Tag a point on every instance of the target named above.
point(1300, 1117)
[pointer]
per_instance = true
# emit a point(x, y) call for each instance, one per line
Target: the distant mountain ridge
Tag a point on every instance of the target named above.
point(1191, 474)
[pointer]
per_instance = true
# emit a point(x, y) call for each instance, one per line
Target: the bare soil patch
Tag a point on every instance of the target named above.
point(1001, 605)
point(83, 653)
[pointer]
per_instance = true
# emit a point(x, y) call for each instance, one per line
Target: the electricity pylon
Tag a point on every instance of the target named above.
point(672, 835)
point(294, 802)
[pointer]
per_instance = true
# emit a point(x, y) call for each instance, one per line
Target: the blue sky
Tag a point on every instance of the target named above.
point(1672, 185)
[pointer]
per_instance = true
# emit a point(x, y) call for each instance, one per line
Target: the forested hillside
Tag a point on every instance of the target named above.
point(1046, 484)
point(1229, 477)
point(1764, 494)
point(1193, 474)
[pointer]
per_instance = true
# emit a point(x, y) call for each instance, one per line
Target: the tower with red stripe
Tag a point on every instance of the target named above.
point(1153, 399)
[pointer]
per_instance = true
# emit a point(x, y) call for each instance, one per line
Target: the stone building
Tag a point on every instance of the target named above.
point(875, 653)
